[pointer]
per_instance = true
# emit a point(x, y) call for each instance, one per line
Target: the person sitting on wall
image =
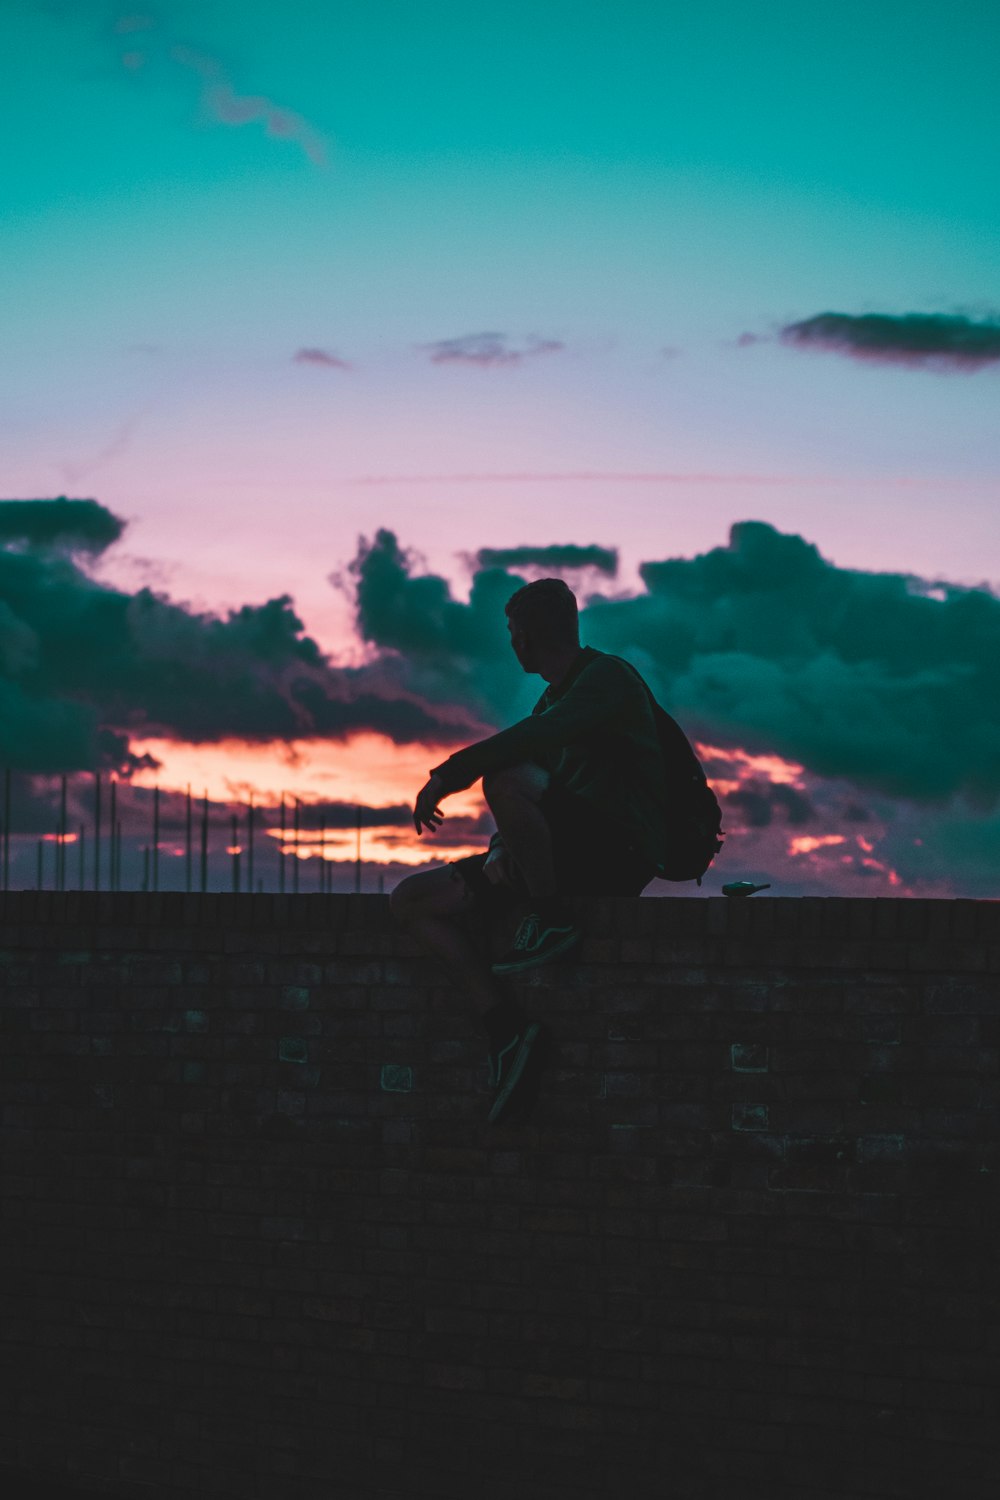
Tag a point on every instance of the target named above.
point(576, 790)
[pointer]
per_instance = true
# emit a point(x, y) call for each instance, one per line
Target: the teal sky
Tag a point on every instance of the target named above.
point(253, 253)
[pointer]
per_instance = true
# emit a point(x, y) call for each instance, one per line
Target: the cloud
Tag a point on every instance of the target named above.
point(933, 340)
point(319, 357)
point(584, 477)
point(757, 801)
point(487, 349)
point(219, 97)
point(884, 682)
point(142, 45)
point(604, 559)
point(231, 108)
point(74, 525)
point(761, 643)
point(84, 665)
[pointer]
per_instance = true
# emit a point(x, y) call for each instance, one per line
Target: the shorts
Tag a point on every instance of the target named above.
point(590, 856)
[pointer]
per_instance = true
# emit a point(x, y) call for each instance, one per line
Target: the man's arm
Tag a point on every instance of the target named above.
point(598, 697)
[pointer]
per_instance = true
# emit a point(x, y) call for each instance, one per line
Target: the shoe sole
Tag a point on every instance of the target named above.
point(516, 1073)
point(529, 962)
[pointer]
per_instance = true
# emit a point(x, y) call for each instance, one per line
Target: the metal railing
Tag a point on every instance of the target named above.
point(291, 839)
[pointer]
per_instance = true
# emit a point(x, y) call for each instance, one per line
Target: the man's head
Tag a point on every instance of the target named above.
point(544, 627)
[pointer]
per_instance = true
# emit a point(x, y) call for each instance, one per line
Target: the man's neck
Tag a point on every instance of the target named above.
point(555, 672)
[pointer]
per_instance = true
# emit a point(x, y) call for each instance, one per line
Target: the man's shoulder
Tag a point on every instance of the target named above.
point(606, 665)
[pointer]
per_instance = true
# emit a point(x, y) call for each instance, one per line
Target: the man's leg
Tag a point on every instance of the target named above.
point(513, 795)
point(426, 904)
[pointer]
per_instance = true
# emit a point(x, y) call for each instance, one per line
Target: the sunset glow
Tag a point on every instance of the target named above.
point(807, 845)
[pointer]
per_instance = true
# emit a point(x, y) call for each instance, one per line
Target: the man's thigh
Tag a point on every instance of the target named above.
point(486, 894)
point(431, 893)
point(526, 779)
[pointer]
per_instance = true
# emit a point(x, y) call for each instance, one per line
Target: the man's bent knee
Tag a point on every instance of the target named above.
point(527, 779)
point(430, 893)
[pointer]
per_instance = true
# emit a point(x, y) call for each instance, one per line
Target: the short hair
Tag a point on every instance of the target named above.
point(546, 611)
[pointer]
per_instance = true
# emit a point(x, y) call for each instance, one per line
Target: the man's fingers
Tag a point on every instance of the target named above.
point(429, 820)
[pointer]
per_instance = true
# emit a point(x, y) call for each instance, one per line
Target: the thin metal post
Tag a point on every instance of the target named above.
point(145, 867)
point(114, 836)
point(97, 832)
point(236, 858)
point(295, 866)
point(61, 858)
point(39, 886)
point(118, 857)
point(250, 845)
point(357, 859)
point(187, 846)
point(83, 835)
point(156, 838)
point(281, 849)
point(322, 853)
point(204, 844)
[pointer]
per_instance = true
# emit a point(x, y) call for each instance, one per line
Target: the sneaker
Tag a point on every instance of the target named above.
point(537, 942)
point(514, 1069)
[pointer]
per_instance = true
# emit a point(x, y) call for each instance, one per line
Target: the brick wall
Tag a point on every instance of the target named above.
point(258, 1239)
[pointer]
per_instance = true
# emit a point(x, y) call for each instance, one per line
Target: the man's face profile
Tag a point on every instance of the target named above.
point(518, 641)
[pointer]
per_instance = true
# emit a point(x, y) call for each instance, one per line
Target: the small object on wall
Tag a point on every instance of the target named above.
point(743, 888)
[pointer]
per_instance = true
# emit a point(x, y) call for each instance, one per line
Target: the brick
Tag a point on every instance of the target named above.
point(674, 1278)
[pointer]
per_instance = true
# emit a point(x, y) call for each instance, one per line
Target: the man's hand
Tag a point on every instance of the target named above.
point(425, 809)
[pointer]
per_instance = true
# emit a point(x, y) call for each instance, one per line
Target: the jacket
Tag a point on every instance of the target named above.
point(594, 732)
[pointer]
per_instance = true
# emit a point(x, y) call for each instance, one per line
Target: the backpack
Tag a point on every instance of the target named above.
point(694, 817)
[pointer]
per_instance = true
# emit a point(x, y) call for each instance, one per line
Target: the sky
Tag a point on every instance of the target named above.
point(328, 326)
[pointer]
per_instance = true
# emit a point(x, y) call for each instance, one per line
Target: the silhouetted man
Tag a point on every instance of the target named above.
point(576, 790)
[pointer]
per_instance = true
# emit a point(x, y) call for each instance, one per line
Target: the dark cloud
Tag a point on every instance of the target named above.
point(936, 340)
point(319, 357)
point(757, 802)
point(486, 349)
point(334, 816)
point(886, 681)
point(754, 806)
point(797, 807)
point(83, 666)
point(761, 643)
point(76, 525)
point(604, 559)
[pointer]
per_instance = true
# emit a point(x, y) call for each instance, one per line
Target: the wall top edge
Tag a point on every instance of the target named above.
point(26, 914)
